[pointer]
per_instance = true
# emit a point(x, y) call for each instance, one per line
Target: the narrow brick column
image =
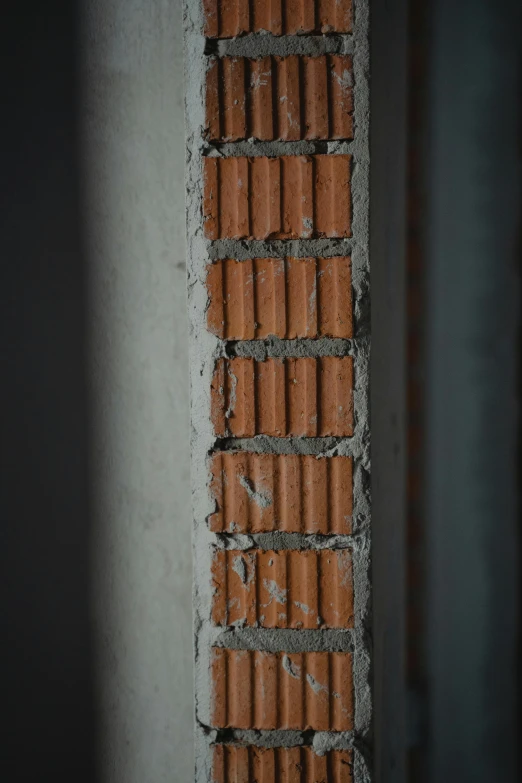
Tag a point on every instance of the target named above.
point(277, 196)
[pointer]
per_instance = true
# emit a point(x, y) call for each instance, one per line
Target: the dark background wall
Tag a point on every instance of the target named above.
point(47, 708)
point(473, 172)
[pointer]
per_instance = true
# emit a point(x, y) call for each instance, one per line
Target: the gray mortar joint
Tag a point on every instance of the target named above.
point(205, 348)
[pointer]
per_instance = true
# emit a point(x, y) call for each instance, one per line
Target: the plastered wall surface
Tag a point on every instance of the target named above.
point(256, 193)
point(134, 144)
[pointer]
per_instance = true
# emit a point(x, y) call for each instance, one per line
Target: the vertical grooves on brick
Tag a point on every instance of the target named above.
point(294, 507)
point(329, 767)
point(288, 581)
point(242, 201)
point(286, 283)
point(298, 496)
point(255, 297)
point(299, 764)
point(303, 705)
point(293, 297)
point(336, 287)
point(278, 193)
point(248, 298)
point(283, 493)
point(279, 24)
point(276, 771)
point(224, 295)
point(226, 705)
point(275, 198)
point(324, 479)
point(329, 684)
point(302, 97)
point(296, 587)
point(314, 190)
point(329, 97)
point(315, 606)
point(227, 19)
point(275, 98)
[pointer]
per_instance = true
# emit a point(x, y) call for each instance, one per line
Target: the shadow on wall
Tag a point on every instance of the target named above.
point(47, 674)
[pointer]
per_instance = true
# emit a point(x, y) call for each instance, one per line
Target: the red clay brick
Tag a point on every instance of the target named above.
point(288, 298)
point(283, 397)
point(290, 197)
point(249, 764)
point(260, 690)
point(287, 589)
point(259, 493)
point(286, 98)
point(228, 18)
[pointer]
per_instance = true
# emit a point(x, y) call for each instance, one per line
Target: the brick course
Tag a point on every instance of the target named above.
point(228, 18)
point(290, 197)
point(259, 493)
point(289, 589)
point(286, 98)
point(240, 764)
point(260, 690)
point(283, 397)
point(288, 298)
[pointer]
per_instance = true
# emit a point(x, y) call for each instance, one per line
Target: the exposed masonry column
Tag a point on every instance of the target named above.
point(277, 198)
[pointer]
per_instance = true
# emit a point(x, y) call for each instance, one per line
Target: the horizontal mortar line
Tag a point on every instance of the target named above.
point(264, 44)
point(287, 640)
point(299, 348)
point(276, 148)
point(243, 249)
point(287, 738)
point(279, 540)
point(270, 444)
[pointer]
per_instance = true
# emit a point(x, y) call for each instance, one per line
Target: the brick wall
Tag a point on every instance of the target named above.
point(277, 197)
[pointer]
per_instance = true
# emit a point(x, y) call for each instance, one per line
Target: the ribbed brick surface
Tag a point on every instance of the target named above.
point(260, 690)
point(289, 298)
point(285, 98)
point(257, 493)
point(228, 18)
point(290, 197)
point(283, 397)
point(240, 764)
point(288, 589)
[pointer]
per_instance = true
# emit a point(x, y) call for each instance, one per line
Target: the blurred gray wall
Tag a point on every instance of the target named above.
point(133, 130)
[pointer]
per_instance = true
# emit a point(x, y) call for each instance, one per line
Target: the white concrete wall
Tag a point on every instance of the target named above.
point(134, 137)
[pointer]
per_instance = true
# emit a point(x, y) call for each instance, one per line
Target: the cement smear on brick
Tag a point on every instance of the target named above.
point(205, 349)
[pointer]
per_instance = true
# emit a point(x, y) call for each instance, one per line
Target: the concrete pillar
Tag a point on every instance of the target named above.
point(133, 133)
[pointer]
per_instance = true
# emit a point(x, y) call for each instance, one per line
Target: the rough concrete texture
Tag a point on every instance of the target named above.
point(206, 348)
point(142, 602)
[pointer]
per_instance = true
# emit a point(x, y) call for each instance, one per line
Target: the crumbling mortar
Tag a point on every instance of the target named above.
point(265, 44)
point(276, 348)
point(281, 541)
point(252, 148)
point(243, 249)
point(287, 640)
